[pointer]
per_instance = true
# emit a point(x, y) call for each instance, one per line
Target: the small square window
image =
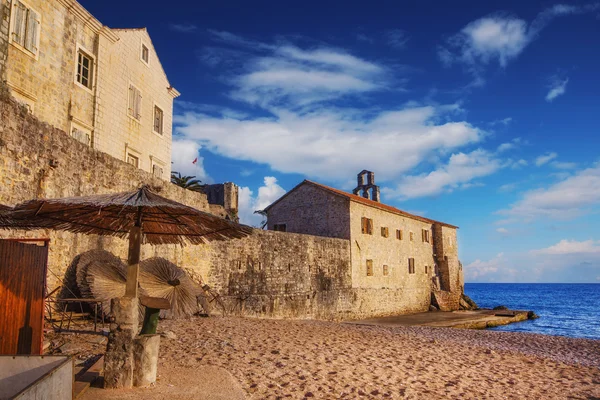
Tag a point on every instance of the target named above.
point(369, 267)
point(386, 270)
point(280, 227)
point(133, 160)
point(157, 171)
point(385, 232)
point(145, 53)
point(158, 120)
point(399, 234)
point(85, 69)
point(82, 135)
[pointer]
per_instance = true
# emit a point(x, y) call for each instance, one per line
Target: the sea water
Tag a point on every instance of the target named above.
point(564, 309)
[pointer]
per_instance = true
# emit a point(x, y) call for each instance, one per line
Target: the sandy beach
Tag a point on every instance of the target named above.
point(274, 359)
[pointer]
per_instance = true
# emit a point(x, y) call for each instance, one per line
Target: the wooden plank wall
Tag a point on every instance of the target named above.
point(22, 287)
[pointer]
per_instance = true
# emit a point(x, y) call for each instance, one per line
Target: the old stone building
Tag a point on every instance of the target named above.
point(105, 87)
point(389, 248)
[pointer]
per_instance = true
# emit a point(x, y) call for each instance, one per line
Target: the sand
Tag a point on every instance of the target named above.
point(301, 359)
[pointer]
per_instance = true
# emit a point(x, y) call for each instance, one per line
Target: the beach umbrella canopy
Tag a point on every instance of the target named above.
point(141, 215)
point(161, 278)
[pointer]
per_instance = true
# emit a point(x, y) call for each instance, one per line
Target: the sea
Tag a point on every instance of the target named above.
point(565, 309)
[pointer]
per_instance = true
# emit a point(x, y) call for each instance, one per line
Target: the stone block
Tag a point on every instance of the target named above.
point(126, 312)
point(145, 357)
point(118, 360)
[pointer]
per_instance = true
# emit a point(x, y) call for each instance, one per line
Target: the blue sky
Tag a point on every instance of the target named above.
point(481, 114)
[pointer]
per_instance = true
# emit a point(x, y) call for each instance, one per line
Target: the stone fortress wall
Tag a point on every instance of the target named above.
point(269, 274)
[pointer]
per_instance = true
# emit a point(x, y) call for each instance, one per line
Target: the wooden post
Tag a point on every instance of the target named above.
point(133, 261)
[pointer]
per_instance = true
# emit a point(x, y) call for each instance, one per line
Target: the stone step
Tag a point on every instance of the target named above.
point(83, 380)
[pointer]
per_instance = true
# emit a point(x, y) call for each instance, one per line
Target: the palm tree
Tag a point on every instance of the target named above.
point(263, 224)
point(186, 182)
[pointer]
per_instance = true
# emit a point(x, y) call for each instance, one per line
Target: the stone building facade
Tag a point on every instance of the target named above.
point(268, 274)
point(106, 87)
point(389, 248)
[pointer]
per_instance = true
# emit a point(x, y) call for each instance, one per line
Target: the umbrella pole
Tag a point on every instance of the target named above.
point(133, 258)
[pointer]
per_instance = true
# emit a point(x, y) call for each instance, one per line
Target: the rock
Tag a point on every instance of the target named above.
point(169, 335)
point(309, 394)
point(488, 351)
point(500, 308)
point(99, 340)
point(532, 315)
point(470, 302)
point(69, 348)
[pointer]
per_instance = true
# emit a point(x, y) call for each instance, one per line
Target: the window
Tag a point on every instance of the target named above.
point(425, 235)
point(158, 120)
point(411, 265)
point(280, 227)
point(369, 267)
point(412, 236)
point(157, 171)
point(135, 102)
point(133, 160)
point(82, 135)
point(399, 234)
point(385, 232)
point(85, 69)
point(426, 269)
point(145, 53)
point(367, 225)
point(25, 27)
point(386, 270)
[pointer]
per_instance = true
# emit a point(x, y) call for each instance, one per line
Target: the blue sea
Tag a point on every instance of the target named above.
point(564, 309)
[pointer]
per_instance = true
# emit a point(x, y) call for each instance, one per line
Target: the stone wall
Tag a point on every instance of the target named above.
point(311, 210)
point(39, 161)
point(4, 22)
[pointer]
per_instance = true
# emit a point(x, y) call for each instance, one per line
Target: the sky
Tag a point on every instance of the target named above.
point(483, 115)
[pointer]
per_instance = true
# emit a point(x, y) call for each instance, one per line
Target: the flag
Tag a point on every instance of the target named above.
point(195, 160)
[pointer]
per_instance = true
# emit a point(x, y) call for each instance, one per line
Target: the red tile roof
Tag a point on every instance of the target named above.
point(367, 202)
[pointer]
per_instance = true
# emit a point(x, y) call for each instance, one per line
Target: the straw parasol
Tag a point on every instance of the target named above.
point(161, 278)
point(141, 215)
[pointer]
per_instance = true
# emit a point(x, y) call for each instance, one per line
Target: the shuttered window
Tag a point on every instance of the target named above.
point(385, 232)
point(399, 234)
point(411, 265)
point(135, 102)
point(369, 267)
point(386, 270)
point(158, 120)
point(26, 27)
point(133, 160)
point(145, 53)
point(425, 235)
point(157, 171)
point(367, 225)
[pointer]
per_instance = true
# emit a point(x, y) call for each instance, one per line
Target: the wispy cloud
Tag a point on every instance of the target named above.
point(183, 28)
point(557, 88)
point(499, 38)
point(305, 124)
point(458, 173)
point(504, 121)
point(565, 247)
point(545, 159)
point(396, 38)
point(571, 197)
point(183, 153)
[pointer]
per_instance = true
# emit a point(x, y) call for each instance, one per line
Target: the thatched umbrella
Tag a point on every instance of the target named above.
point(161, 278)
point(141, 216)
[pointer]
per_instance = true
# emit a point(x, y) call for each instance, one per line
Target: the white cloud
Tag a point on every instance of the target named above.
point(248, 203)
point(569, 198)
point(396, 38)
point(545, 158)
point(361, 37)
point(183, 153)
point(567, 247)
point(458, 173)
point(504, 121)
point(499, 38)
point(330, 142)
point(183, 28)
point(480, 269)
point(563, 165)
point(503, 231)
point(558, 88)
